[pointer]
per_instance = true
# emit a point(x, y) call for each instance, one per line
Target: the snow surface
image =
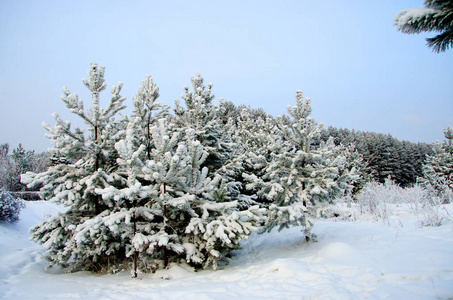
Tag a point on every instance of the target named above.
point(360, 259)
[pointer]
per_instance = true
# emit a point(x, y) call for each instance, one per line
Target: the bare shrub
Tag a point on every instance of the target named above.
point(426, 203)
point(376, 198)
point(423, 201)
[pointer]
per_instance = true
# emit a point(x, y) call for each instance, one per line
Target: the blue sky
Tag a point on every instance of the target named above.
point(345, 55)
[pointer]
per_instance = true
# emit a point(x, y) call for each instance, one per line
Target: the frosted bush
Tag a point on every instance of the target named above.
point(433, 213)
point(441, 189)
point(426, 203)
point(411, 198)
point(9, 207)
point(375, 198)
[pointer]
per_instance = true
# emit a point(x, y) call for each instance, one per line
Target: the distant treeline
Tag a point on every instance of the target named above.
point(385, 155)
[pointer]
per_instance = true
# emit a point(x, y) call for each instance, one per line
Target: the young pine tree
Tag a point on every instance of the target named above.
point(83, 164)
point(299, 176)
point(200, 114)
point(438, 168)
point(210, 127)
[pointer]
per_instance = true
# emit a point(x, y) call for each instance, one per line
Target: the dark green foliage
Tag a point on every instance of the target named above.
point(385, 155)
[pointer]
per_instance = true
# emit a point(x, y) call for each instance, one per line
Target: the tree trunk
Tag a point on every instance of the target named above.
point(165, 227)
point(135, 251)
point(97, 206)
point(303, 183)
point(148, 137)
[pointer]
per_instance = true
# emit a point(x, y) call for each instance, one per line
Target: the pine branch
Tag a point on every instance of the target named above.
point(441, 42)
point(75, 106)
point(115, 103)
point(437, 16)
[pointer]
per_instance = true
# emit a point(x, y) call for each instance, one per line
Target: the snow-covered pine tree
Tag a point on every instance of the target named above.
point(138, 217)
point(6, 168)
point(231, 147)
point(134, 188)
point(9, 207)
point(200, 114)
point(299, 176)
point(344, 165)
point(255, 132)
point(166, 167)
point(438, 168)
point(82, 164)
point(23, 161)
point(17, 163)
point(148, 110)
point(352, 168)
point(197, 212)
point(354, 163)
point(284, 181)
point(214, 131)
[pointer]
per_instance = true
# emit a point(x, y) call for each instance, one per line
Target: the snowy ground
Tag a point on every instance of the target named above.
point(364, 259)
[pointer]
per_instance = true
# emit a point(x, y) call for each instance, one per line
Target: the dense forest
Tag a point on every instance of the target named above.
point(384, 155)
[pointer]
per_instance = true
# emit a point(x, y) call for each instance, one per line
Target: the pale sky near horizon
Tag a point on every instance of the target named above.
point(359, 71)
